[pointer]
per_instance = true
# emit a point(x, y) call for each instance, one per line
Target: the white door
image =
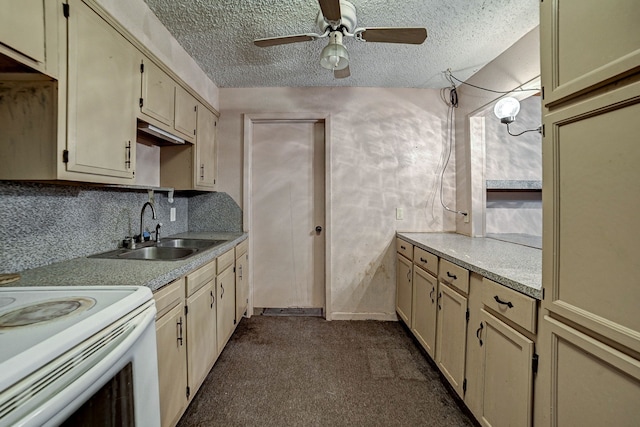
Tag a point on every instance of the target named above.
point(287, 214)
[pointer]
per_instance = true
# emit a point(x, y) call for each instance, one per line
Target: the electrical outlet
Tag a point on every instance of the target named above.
point(172, 214)
point(399, 214)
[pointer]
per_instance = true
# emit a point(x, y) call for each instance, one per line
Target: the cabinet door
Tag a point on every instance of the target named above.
point(593, 384)
point(576, 57)
point(186, 111)
point(424, 310)
point(206, 149)
point(158, 94)
point(404, 289)
point(225, 284)
point(102, 69)
point(201, 334)
point(172, 365)
point(506, 374)
point(242, 285)
point(451, 335)
point(22, 27)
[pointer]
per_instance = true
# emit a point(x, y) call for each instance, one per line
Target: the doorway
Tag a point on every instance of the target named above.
point(285, 188)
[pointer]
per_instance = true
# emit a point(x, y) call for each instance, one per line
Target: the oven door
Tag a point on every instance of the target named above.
point(111, 376)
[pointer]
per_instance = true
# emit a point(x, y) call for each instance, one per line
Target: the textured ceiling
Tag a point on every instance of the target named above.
point(463, 35)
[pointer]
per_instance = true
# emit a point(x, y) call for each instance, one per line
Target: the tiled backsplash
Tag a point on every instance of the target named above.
point(45, 223)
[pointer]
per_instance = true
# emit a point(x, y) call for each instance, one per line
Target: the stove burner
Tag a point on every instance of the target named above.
point(6, 301)
point(45, 311)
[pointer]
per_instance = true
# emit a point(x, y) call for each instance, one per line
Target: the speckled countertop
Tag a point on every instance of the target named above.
point(127, 272)
point(515, 266)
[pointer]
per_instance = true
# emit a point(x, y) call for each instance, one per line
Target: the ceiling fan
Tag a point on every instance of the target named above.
point(337, 19)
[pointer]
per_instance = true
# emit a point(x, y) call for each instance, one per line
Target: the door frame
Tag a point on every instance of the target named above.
point(265, 118)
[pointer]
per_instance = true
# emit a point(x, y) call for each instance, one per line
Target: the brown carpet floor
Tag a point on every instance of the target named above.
point(305, 371)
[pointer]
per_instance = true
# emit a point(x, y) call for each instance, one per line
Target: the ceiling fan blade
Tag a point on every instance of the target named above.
point(341, 74)
point(274, 41)
point(330, 9)
point(394, 35)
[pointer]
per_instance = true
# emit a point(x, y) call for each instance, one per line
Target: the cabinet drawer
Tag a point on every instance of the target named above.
point(201, 277)
point(225, 260)
point(425, 260)
point(514, 306)
point(454, 275)
point(241, 248)
point(168, 297)
point(404, 248)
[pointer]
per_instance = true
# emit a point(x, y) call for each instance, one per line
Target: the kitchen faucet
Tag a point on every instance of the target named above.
point(153, 212)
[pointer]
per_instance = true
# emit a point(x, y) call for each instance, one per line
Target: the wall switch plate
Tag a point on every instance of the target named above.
point(399, 214)
point(172, 214)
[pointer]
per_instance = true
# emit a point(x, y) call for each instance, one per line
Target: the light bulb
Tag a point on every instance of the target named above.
point(334, 56)
point(507, 109)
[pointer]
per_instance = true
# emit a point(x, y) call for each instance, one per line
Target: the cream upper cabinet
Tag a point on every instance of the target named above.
point(189, 167)
point(586, 46)
point(165, 104)
point(506, 375)
point(225, 285)
point(101, 101)
point(15, 19)
point(29, 33)
point(206, 149)
point(404, 289)
point(425, 309)
point(172, 352)
point(186, 111)
point(157, 96)
point(451, 336)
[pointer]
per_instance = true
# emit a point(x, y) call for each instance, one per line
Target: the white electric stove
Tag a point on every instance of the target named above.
point(63, 349)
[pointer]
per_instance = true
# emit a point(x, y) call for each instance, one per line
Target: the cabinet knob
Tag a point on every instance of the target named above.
point(318, 228)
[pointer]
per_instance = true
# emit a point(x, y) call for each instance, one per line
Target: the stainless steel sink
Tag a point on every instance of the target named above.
point(166, 250)
point(157, 253)
point(189, 243)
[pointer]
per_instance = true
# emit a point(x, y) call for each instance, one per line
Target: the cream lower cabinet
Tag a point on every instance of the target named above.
point(451, 336)
point(226, 294)
point(425, 309)
point(172, 352)
point(506, 375)
point(201, 324)
point(404, 289)
point(242, 279)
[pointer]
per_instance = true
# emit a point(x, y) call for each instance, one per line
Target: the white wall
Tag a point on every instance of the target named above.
point(517, 65)
point(140, 21)
point(387, 149)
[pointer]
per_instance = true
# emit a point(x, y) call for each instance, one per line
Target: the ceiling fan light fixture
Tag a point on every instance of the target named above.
point(334, 56)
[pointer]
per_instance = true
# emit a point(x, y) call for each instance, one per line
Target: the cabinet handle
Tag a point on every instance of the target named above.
point(439, 296)
point(403, 248)
point(499, 301)
point(452, 276)
point(423, 260)
point(433, 289)
point(478, 333)
point(213, 299)
point(180, 331)
point(409, 274)
point(202, 171)
point(222, 287)
point(127, 155)
point(240, 272)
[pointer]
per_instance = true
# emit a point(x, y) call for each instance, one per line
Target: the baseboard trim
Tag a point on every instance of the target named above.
point(364, 316)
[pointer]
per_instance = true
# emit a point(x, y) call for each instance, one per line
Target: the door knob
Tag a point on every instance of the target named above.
point(318, 229)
